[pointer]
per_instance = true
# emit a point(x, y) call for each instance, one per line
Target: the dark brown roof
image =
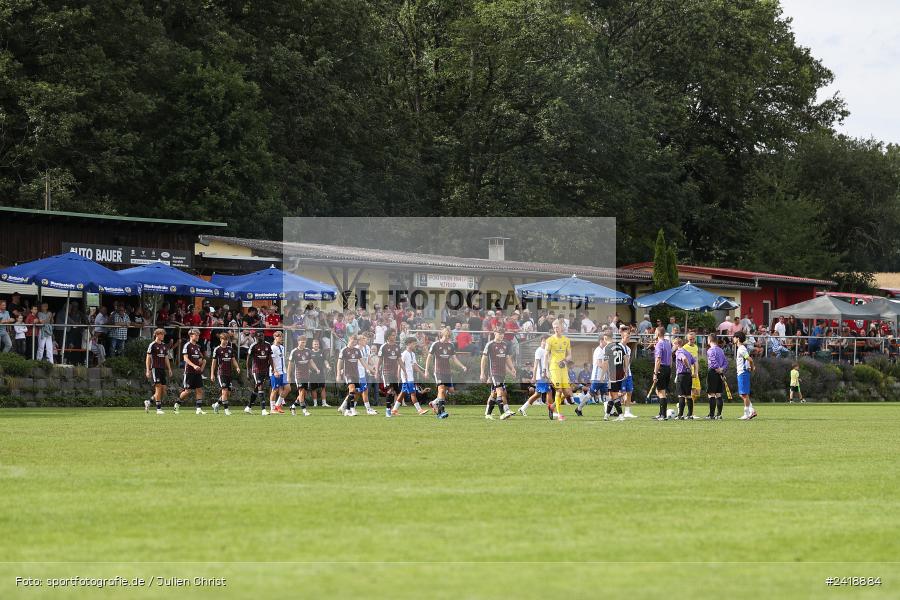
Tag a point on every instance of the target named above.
point(386, 258)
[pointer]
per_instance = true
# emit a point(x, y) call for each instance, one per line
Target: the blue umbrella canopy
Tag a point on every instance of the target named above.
point(71, 272)
point(273, 284)
point(687, 297)
point(572, 288)
point(160, 278)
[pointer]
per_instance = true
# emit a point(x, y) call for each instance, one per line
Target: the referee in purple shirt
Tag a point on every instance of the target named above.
point(714, 377)
point(662, 370)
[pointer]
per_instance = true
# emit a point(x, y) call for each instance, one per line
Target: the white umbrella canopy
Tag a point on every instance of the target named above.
point(889, 309)
point(829, 307)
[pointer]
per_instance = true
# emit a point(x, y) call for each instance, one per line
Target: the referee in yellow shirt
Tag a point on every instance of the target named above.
point(559, 352)
point(691, 346)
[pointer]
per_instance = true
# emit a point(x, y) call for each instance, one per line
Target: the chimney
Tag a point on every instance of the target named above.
point(496, 249)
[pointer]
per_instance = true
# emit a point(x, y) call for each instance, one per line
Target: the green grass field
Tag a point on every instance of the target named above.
point(328, 506)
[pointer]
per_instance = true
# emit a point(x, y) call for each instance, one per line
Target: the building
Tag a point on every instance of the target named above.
point(367, 276)
point(758, 294)
point(113, 240)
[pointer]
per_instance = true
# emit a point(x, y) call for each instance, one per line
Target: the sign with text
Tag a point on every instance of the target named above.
point(446, 282)
point(129, 255)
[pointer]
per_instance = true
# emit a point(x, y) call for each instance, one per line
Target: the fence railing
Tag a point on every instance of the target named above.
point(81, 340)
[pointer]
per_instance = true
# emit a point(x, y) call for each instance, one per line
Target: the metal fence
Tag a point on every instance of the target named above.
point(84, 341)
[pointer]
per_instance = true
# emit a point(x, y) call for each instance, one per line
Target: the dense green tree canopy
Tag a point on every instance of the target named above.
point(702, 117)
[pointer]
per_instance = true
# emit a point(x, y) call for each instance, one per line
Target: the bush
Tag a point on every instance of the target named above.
point(19, 366)
point(125, 366)
point(136, 349)
point(881, 362)
point(867, 375)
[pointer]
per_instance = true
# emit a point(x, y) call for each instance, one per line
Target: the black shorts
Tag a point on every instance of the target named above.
point(224, 381)
point(260, 379)
point(392, 388)
point(713, 383)
point(683, 384)
point(158, 376)
point(192, 381)
point(663, 378)
point(316, 385)
point(615, 386)
point(795, 389)
point(303, 385)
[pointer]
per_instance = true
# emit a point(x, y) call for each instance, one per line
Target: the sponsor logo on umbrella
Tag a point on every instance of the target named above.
point(44, 282)
point(80, 286)
point(173, 289)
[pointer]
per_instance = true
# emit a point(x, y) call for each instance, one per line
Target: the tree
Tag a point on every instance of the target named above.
point(672, 278)
point(660, 263)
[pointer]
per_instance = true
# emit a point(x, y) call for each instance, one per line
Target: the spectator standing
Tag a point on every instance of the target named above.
point(780, 328)
point(464, 339)
point(118, 334)
point(310, 323)
point(527, 322)
point(101, 330)
point(45, 335)
point(512, 339)
point(381, 327)
point(815, 340)
point(673, 325)
point(726, 327)
point(20, 330)
point(5, 319)
point(587, 325)
point(644, 326)
point(15, 304)
point(33, 325)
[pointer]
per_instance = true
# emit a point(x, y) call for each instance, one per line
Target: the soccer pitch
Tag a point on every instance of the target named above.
point(366, 507)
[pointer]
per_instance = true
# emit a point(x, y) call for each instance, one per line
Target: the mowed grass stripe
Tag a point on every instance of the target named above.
point(800, 483)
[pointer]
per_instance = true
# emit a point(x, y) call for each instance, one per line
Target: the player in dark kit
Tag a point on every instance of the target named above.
point(224, 364)
point(348, 373)
point(300, 364)
point(158, 368)
point(387, 366)
point(194, 362)
point(443, 354)
point(495, 360)
point(259, 361)
point(617, 370)
point(317, 381)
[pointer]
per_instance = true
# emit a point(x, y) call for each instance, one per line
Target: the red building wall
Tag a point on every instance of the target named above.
point(778, 296)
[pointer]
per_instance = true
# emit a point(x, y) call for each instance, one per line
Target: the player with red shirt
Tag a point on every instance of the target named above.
point(224, 363)
point(495, 361)
point(300, 363)
point(259, 361)
point(442, 353)
point(348, 373)
point(194, 362)
point(158, 368)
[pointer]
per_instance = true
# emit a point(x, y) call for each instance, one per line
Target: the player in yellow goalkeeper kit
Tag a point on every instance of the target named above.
point(559, 352)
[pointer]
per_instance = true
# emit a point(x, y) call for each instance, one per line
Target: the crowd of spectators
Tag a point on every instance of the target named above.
point(33, 330)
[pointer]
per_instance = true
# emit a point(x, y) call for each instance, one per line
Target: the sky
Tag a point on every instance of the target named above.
point(860, 42)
